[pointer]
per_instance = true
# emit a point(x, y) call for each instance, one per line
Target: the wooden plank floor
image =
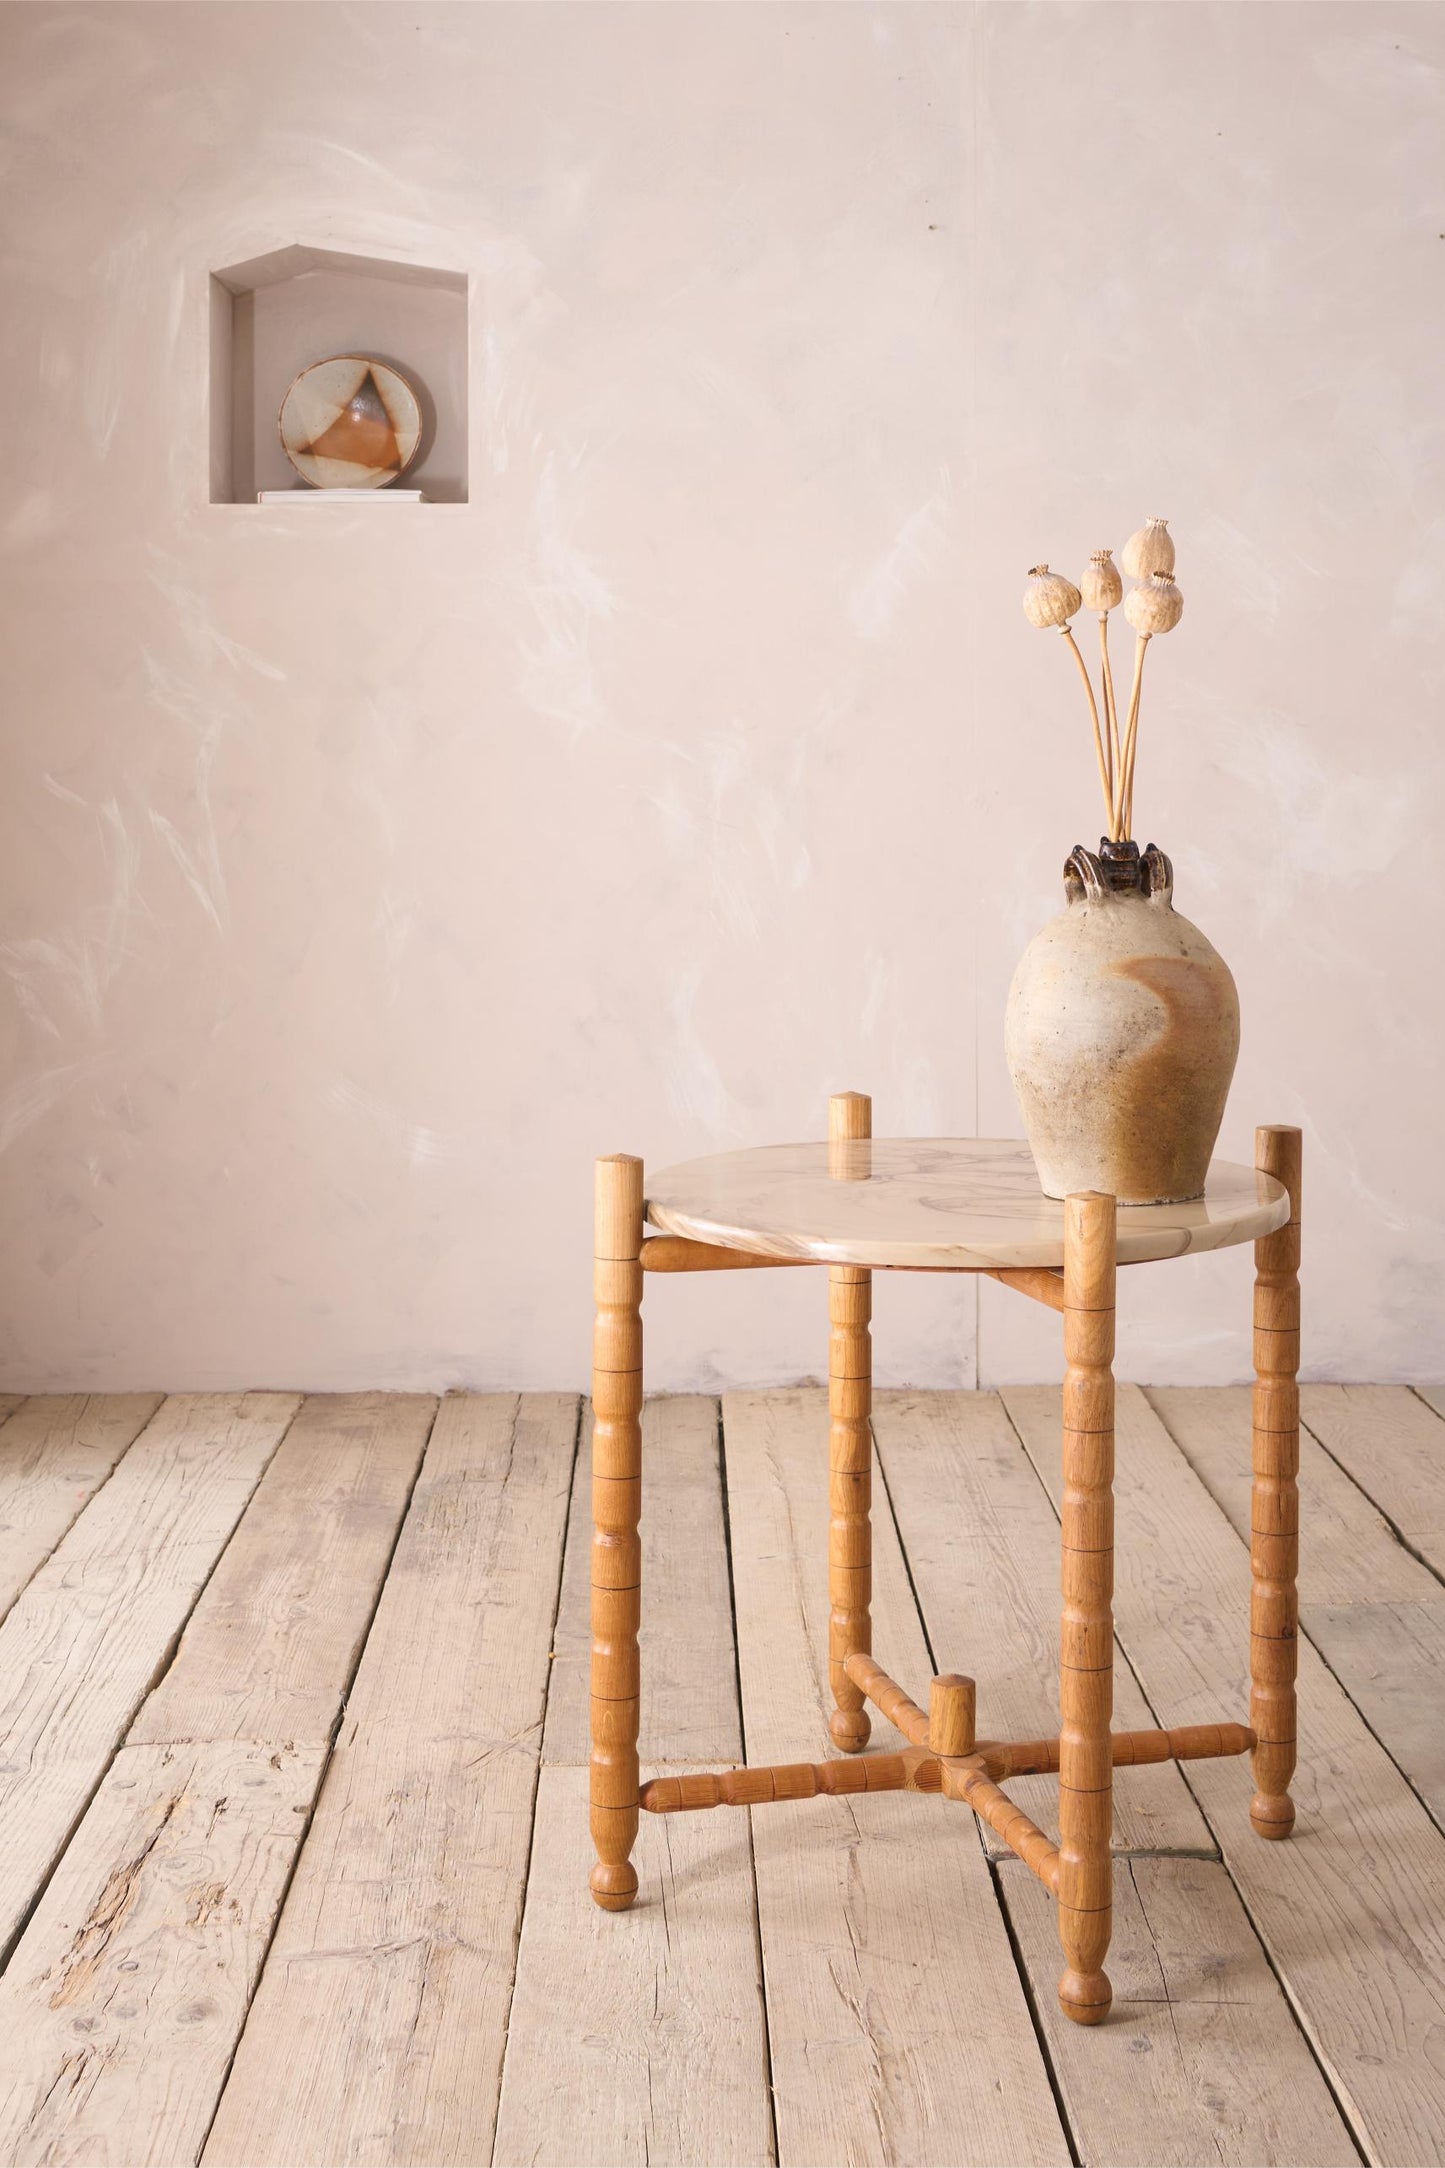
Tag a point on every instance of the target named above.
point(295, 1853)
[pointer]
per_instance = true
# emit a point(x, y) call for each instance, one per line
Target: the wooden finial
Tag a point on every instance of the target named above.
point(952, 1714)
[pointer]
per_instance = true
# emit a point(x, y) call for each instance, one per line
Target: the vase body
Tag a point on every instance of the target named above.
point(1122, 1032)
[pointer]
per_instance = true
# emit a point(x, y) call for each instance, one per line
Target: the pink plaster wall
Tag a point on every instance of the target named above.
point(361, 881)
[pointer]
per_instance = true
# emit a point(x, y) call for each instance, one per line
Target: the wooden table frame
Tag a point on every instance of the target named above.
point(945, 1755)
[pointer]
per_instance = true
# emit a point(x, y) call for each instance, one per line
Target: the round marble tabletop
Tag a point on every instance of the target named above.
point(960, 1202)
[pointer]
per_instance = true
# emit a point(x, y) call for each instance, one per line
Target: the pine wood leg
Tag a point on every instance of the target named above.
point(850, 1444)
point(616, 1508)
point(1274, 1520)
point(1086, 1680)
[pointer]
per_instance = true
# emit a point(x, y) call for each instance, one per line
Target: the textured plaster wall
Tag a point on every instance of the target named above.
point(364, 875)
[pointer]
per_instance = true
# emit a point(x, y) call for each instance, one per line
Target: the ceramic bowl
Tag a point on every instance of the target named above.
point(350, 423)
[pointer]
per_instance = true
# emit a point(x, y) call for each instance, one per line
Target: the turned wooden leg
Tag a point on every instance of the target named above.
point(1086, 1678)
point(1274, 1521)
point(616, 1507)
point(850, 1442)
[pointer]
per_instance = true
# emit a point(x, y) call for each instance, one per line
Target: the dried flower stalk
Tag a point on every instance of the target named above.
point(1106, 777)
point(1155, 606)
point(1111, 706)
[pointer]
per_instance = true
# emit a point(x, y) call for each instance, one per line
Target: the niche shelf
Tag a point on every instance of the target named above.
point(273, 315)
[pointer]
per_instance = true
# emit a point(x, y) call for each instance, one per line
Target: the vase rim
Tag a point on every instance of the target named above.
point(1118, 869)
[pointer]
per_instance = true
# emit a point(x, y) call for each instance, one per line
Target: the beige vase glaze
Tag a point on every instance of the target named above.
point(1121, 1034)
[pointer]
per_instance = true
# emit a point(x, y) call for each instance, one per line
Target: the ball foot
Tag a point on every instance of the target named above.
point(613, 1887)
point(1273, 1818)
point(849, 1729)
point(1085, 1997)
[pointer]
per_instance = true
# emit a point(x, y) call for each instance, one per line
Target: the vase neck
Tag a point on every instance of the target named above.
point(1117, 869)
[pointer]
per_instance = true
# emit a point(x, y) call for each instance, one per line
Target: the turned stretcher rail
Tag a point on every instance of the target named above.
point(767, 1787)
point(888, 1696)
point(971, 1777)
point(681, 1253)
point(1131, 1749)
point(969, 1781)
point(1040, 1757)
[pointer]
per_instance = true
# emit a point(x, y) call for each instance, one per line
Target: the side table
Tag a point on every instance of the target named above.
point(857, 1206)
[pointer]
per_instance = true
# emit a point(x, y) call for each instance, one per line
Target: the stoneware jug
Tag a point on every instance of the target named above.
point(1121, 1034)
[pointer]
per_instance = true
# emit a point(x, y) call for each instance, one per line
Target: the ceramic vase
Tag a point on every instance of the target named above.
point(1122, 1032)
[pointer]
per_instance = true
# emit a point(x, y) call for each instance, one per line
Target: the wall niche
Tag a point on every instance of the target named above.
point(274, 315)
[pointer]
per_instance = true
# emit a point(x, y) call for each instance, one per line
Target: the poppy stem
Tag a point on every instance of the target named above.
point(1104, 782)
point(1131, 732)
point(1111, 717)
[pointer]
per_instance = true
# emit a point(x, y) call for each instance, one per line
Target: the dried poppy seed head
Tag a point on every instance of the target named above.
point(1049, 599)
point(1150, 550)
point(1157, 606)
point(1101, 586)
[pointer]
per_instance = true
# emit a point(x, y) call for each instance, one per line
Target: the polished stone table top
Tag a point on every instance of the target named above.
point(968, 1203)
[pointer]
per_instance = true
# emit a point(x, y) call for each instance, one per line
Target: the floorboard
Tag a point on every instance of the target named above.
point(123, 2002)
point(897, 2021)
point(377, 2031)
point(639, 2036)
point(269, 1652)
point(295, 1709)
point(1393, 1445)
point(1374, 1612)
point(178, 1868)
point(982, 1541)
point(1201, 2062)
point(96, 1625)
point(55, 1452)
point(983, 1547)
point(1352, 1907)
